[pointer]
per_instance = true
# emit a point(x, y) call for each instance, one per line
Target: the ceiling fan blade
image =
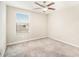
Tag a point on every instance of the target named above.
point(39, 4)
point(51, 8)
point(51, 4)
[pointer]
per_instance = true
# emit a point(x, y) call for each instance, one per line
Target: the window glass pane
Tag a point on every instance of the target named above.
point(21, 18)
point(22, 22)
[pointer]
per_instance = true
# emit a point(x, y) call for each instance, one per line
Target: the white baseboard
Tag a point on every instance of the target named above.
point(68, 43)
point(54, 38)
point(12, 43)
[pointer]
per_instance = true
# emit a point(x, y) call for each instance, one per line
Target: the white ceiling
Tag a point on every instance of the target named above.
point(30, 5)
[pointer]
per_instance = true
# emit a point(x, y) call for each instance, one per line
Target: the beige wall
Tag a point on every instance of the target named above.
point(37, 22)
point(2, 28)
point(63, 25)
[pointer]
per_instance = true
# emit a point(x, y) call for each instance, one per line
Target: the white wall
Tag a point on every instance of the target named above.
point(2, 28)
point(63, 24)
point(38, 25)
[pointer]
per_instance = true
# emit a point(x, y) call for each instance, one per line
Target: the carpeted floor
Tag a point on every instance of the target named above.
point(42, 48)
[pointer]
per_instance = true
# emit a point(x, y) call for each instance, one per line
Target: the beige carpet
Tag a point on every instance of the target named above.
point(42, 48)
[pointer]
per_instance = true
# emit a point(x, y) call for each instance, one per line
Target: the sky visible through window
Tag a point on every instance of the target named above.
point(21, 18)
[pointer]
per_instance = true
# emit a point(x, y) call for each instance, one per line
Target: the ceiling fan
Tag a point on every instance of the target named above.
point(45, 6)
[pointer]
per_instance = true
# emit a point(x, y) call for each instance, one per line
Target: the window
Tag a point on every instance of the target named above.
point(22, 22)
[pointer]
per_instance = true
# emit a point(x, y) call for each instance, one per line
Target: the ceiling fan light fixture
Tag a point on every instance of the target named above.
point(45, 9)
